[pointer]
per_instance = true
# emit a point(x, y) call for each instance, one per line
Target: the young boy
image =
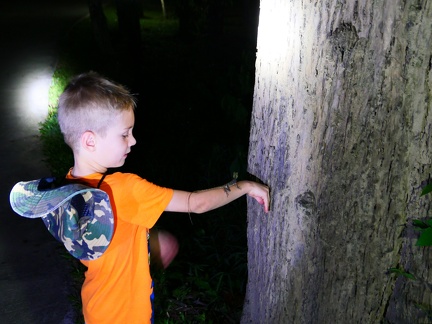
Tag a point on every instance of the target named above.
point(96, 117)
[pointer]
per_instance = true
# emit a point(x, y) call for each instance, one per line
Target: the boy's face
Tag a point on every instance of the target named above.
point(113, 148)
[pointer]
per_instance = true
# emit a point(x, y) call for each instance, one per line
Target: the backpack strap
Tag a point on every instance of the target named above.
point(101, 180)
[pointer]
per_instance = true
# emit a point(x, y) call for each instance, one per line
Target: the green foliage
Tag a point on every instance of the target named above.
point(426, 189)
point(58, 155)
point(206, 282)
point(425, 239)
point(402, 272)
point(424, 226)
point(427, 309)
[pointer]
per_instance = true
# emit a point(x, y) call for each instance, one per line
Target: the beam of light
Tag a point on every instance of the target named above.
point(279, 31)
point(31, 101)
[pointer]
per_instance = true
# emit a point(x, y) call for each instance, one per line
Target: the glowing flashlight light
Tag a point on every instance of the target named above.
point(279, 29)
point(32, 98)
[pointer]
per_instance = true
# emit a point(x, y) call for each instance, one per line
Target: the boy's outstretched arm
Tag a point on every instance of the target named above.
point(205, 200)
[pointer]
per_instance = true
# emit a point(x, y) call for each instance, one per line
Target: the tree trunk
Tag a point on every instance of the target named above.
point(100, 29)
point(128, 14)
point(341, 132)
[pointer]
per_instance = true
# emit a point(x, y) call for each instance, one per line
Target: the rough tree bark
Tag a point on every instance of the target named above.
point(341, 132)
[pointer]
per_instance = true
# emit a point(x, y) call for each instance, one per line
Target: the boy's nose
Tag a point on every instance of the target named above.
point(132, 140)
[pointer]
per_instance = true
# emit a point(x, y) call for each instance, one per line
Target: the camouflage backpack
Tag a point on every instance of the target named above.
point(79, 216)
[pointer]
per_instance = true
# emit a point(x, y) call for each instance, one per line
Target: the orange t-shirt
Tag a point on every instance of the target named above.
point(117, 286)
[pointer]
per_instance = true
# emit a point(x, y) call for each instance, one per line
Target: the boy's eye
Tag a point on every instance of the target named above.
point(125, 135)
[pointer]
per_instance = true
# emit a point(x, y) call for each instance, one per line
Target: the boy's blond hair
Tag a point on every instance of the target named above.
point(89, 103)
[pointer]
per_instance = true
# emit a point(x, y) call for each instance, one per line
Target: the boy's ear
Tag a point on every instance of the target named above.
point(88, 141)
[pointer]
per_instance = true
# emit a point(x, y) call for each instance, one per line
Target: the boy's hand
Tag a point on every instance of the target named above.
point(261, 193)
point(163, 247)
